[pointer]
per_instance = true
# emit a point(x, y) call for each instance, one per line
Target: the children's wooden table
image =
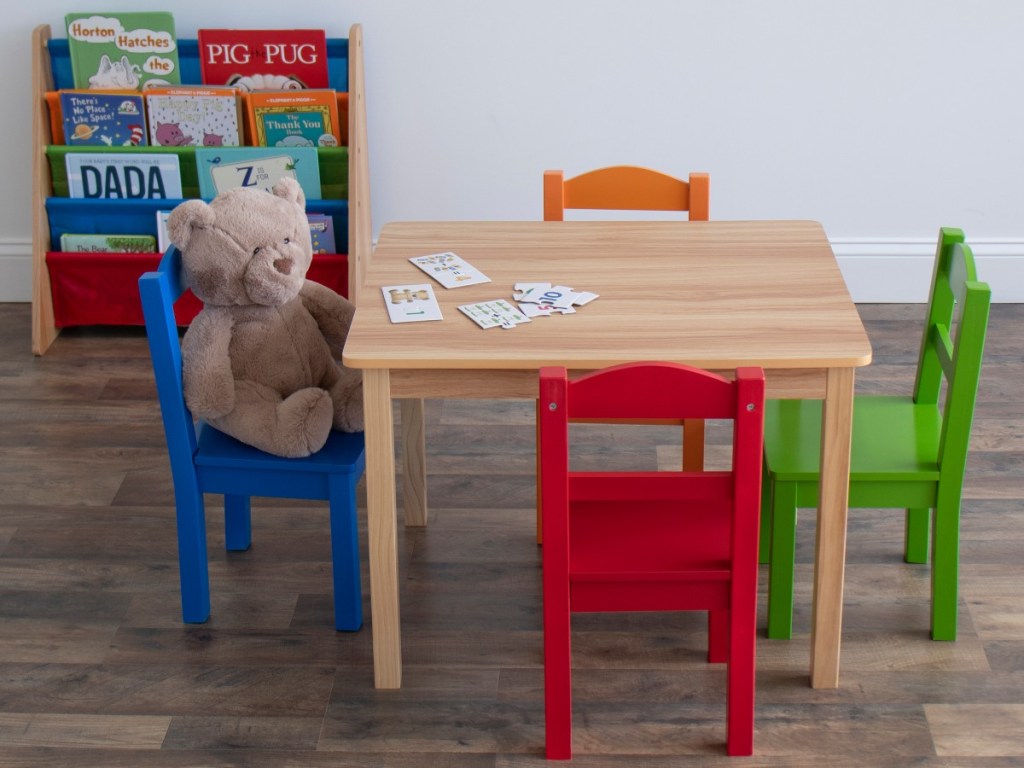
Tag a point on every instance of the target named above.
point(716, 295)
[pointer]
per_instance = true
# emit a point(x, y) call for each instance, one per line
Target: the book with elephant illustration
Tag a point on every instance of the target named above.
point(123, 50)
point(185, 116)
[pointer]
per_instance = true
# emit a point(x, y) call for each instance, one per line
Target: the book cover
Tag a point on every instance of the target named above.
point(128, 176)
point(264, 59)
point(261, 167)
point(122, 50)
point(321, 232)
point(91, 118)
point(294, 118)
point(163, 239)
point(108, 243)
point(198, 117)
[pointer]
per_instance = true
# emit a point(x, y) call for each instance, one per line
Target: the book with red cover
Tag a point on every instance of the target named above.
point(264, 59)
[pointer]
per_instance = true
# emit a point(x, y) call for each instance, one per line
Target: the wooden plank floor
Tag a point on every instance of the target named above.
point(96, 668)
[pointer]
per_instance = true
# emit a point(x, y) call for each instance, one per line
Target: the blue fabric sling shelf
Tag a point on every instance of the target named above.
point(76, 289)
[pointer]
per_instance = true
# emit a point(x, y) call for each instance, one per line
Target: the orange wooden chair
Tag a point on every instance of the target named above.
point(626, 188)
point(652, 541)
point(631, 188)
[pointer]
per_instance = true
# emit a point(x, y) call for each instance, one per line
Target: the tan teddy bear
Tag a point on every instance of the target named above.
point(260, 361)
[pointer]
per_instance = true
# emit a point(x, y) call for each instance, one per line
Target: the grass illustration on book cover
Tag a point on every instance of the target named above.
point(122, 50)
point(294, 118)
point(102, 119)
point(108, 243)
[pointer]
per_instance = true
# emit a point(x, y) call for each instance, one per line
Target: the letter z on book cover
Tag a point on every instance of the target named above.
point(223, 168)
point(122, 50)
point(264, 59)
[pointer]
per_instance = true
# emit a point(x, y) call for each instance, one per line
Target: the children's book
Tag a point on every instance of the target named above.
point(183, 116)
point(91, 118)
point(294, 118)
point(221, 169)
point(163, 239)
point(264, 59)
point(108, 243)
point(128, 176)
point(321, 231)
point(122, 50)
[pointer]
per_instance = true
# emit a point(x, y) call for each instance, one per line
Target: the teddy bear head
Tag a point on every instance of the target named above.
point(247, 246)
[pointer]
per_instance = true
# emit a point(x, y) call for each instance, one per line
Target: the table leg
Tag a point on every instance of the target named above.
point(414, 462)
point(830, 547)
point(381, 516)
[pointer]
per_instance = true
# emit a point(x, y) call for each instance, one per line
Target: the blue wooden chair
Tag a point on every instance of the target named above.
point(204, 460)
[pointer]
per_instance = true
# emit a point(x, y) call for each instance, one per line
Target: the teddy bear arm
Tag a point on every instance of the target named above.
point(332, 312)
point(206, 365)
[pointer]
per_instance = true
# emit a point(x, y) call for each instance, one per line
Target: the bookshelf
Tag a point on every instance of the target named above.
point(101, 289)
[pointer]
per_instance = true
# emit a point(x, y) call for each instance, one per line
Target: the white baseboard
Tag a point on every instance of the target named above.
point(15, 271)
point(876, 271)
point(900, 271)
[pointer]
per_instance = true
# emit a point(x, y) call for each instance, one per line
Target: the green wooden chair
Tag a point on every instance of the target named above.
point(908, 451)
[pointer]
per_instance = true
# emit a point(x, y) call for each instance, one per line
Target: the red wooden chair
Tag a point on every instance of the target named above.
point(652, 541)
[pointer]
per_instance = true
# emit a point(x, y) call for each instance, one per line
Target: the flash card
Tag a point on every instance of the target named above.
point(488, 314)
point(411, 303)
point(537, 299)
point(450, 270)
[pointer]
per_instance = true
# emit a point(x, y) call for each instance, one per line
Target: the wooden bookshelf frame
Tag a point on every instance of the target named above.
point(360, 236)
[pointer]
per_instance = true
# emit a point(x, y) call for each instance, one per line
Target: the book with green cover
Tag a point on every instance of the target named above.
point(123, 50)
point(108, 243)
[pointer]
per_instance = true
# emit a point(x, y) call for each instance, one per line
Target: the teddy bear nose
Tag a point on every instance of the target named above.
point(284, 266)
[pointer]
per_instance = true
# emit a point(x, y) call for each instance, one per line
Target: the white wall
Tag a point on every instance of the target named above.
point(883, 119)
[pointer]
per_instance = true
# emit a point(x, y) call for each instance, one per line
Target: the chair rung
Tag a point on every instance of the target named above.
point(691, 575)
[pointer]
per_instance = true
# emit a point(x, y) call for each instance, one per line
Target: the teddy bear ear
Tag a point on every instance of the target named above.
point(190, 215)
point(289, 189)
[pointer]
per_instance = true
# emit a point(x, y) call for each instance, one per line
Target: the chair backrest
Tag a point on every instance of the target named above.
point(642, 392)
point(626, 188)
point(950, 358)
point(158, 291)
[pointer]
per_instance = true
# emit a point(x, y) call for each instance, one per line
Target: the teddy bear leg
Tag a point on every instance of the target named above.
point(295, 426)
point(347, 396)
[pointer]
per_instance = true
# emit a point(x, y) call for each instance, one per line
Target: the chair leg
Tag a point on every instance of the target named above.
point(945, 567)
point(782, 561)
point(348, 594)
point(540, 517)
point(693, 445)
point(916, 535)
point(237, 523)
point(741, 672)
point(193, 565)
point(557, 674)
point(718, 636)
point(764, 545)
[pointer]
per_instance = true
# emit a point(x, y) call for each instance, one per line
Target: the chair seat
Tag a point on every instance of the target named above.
point(894, 438)
point(343, 453)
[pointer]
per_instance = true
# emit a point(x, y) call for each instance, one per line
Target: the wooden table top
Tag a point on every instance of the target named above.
point(713, 294)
